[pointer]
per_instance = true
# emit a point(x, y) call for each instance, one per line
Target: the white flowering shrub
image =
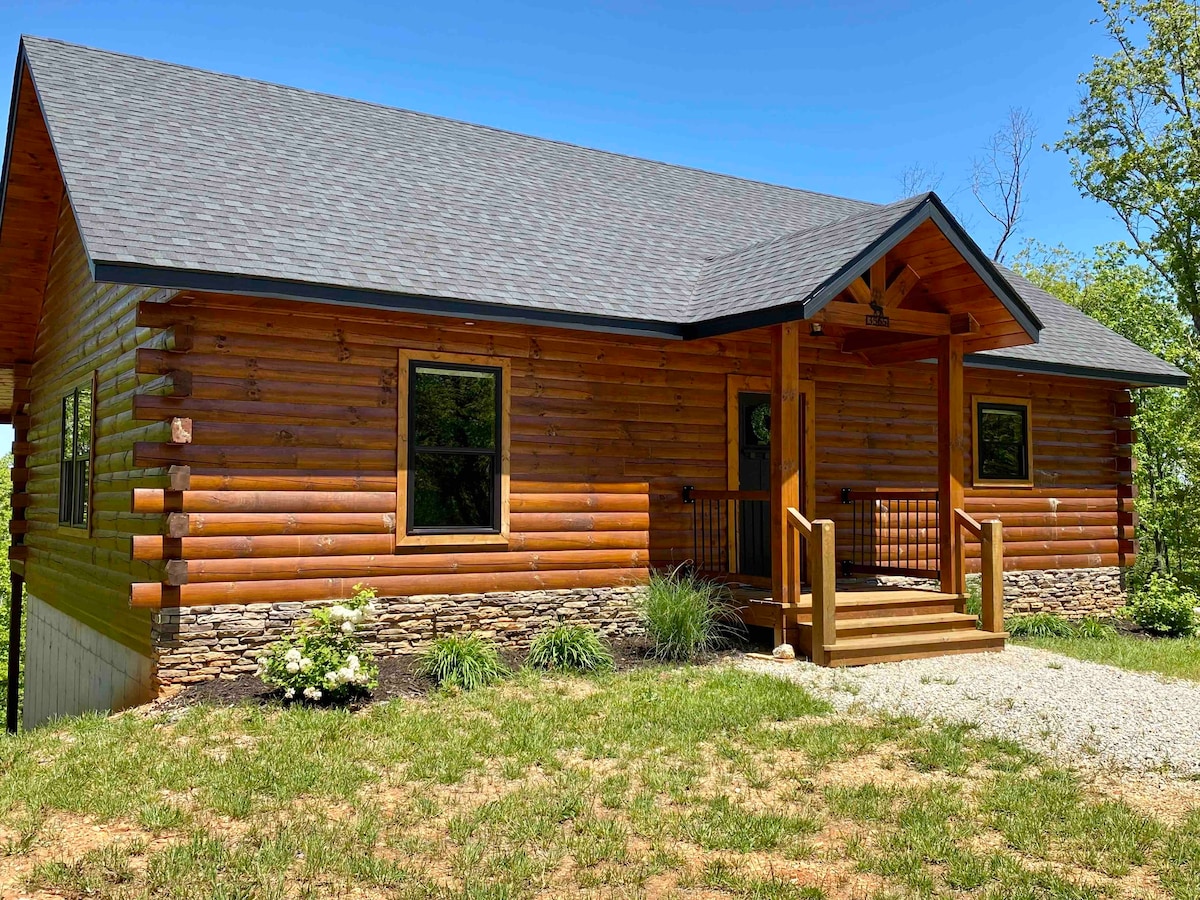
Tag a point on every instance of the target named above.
point(323, 658)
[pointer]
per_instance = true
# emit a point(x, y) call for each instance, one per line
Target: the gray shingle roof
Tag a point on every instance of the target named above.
point(789, 269)
point(183, 171)
point(1072, 340)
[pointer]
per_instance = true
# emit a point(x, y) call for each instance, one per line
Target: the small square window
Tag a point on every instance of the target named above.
point(1002, 442)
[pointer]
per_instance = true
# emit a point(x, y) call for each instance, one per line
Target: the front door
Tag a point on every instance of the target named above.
point(754, 474)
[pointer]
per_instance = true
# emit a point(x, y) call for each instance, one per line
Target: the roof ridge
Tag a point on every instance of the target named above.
point(461, 122)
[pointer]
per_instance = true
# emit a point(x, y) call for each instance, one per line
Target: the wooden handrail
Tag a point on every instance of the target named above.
point(797, 521)
point(990, 534)
point(822, 574)
point(969, 523)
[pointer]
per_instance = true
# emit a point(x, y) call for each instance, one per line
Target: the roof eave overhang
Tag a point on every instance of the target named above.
point(10, 134)
point(1037, 367)
point(254, 286)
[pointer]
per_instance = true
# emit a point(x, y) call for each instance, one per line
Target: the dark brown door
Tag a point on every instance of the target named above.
point(754, 474)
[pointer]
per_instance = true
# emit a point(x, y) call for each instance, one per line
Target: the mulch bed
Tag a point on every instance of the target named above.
point(398, 679)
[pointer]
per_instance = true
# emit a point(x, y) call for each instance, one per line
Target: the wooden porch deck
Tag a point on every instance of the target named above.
point(873, 624)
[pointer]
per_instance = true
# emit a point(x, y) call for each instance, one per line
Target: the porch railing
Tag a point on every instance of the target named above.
point(724, 523)
point(990, 535)
point(822, 573)
point(893, 531)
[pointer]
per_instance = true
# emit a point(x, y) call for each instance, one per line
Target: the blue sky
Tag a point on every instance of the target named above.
point(830, 97)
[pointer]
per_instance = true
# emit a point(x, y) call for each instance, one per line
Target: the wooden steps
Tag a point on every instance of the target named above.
point(876, 625)
point(877, 604)
point(932, 623)
point(895, 647)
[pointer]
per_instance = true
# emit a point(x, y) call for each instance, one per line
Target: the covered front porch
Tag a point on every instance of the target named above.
point(886, 581)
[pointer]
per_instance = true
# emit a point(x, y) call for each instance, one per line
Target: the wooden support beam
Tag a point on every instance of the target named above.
point(900, 287)
point(151, 314)
point(951, 458)
point(859, 291)
point(908, 351)
point(879, 280)
point(906, 321)
point(785, 445)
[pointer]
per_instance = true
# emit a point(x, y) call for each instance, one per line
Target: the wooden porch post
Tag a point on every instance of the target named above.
point(785, 447)
point(951, 453)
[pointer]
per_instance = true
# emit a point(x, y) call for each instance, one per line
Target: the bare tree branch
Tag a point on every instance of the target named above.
point(918, 179)
point(998, 177)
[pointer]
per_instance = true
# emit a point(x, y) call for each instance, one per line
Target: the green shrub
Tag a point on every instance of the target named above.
point(686, 615)
point(974, 602)
point(1164, 607)
point(1038, 625)
point(464, 662)
point(1094, 628)
point(570, 648)
point(323, 658)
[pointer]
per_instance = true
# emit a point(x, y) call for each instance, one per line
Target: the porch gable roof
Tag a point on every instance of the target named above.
point(799, 274)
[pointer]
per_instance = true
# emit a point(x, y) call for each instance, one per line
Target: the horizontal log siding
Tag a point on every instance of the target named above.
point(87, 327)
point(877, 427)
point(290, 399)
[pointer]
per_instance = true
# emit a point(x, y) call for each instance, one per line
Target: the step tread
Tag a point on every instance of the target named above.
point(900, 641)
point(948, 618)
point(856, 600)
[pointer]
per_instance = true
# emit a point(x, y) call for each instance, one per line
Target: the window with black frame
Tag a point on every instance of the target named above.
point(454, 448)
point(74, 475)
point(1002, 442)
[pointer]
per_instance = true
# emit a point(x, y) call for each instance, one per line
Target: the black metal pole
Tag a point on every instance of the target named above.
point(12, 712)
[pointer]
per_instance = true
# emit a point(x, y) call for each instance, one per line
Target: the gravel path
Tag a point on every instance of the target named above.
point(1086, 713)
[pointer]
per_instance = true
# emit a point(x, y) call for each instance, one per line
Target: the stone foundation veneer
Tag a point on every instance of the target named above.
point(1072, 593)
point(203, 642)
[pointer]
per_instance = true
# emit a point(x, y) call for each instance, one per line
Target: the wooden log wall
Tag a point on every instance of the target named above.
point(86, 335)
point(285, 484)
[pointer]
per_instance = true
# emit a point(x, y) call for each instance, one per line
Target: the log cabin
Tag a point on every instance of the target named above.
point(262, 345)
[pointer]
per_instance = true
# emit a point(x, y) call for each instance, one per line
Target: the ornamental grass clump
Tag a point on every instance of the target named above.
point(685, 615)
point(1038, 625)
point(462, 662)
point(323, 658)
point(569, 648)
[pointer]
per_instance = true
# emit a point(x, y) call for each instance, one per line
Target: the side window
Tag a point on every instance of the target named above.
point(74, 476)
point(453, 466)
point(1003, 441)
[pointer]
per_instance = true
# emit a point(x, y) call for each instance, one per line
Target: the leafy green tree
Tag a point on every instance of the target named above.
point(1134, 301)
point(1134, 142)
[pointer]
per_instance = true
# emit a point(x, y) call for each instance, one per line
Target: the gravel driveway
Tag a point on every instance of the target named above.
point(1086, 713)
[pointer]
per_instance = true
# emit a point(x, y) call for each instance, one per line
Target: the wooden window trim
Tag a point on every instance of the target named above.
point(466, 541)
point(977, 479)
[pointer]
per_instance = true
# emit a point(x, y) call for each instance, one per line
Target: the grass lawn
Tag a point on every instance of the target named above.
point(659, 783)
point(1177, 657)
